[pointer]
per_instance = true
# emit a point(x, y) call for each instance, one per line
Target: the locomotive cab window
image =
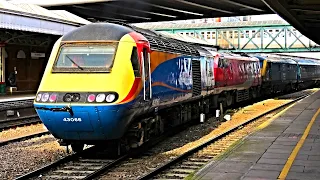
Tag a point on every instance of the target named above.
point(135, 62)
point(86, 58)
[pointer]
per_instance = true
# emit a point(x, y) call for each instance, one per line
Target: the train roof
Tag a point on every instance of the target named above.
point(296, 56)
point(307, 62)
point(276, 59)
point(167, 44)
point(279, 58)
point(300, 60)
point(238, 56)
point(97, 31)
point(158, 41)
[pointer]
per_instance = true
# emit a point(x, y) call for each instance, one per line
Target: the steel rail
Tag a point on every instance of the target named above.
point(20, 121)
point(53, 165)
point(107, 166)
point(22, 138)
point(183, 156)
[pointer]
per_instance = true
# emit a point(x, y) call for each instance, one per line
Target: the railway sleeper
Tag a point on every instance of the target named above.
point(154, 124)
point(182, 171)
point(143, 130)
point(175, 175)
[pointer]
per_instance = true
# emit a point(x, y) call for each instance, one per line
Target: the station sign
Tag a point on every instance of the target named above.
point(38, 55)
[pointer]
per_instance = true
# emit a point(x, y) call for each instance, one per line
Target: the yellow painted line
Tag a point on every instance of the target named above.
point(295, 151)
point(266, 123)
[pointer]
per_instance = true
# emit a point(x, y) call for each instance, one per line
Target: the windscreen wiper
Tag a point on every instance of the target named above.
point(74, 63)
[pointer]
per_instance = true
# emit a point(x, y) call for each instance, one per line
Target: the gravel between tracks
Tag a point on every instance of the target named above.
point(21, 131)
point(193, 137)
point(22, 157)
point(239, 117)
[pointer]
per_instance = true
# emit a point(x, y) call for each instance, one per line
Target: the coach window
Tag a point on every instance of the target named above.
point(202, 34)
point(135, 62)
point(208, 35)
point(225, 63)
point(220, 63)
point(146, 62)
point(213, 35)
point(253, 33)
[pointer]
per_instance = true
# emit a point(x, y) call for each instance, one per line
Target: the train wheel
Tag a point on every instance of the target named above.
point(77, 147)
point(229, 99)
point(254, 93)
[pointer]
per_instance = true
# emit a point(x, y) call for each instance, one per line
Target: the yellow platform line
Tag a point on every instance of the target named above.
point(269, 121)
point(295, 151)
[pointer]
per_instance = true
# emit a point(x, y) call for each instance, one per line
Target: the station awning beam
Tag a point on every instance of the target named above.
point(243, 5)
point(170, 9)
point(204, 7)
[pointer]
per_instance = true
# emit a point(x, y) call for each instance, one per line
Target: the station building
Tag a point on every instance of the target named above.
point(27, 35)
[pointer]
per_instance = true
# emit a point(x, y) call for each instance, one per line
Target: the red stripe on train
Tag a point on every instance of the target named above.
point(133, 89)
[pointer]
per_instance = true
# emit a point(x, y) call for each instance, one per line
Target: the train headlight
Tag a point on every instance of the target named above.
point(38, 97)
point(110, 98)
point(67, 98)
point(53, 97)
point(91, 98)
point(45, 97)
point(76, 97)
point(100, 97)
point(71, 97)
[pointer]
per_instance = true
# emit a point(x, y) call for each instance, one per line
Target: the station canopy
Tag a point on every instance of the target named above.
point(33, 18)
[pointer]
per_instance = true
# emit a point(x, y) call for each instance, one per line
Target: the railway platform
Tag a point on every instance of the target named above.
point(17, 97)
point(285, 147)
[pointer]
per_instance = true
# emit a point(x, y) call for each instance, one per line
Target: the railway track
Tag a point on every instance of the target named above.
point(17, 113)
point(75, 166)
point(86, 166)
point(19, 121)
point(89, 163)
point(22, 138)
point(187, 163)
point(143, 165)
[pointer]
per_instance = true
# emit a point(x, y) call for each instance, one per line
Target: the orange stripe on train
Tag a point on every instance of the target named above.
point(170, 87)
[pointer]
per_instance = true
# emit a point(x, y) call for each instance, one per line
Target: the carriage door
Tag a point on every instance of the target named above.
point(209, 69)
point(146, 75)
point(226, 79)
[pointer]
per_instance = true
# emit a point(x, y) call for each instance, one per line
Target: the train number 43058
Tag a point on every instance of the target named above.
point(72, 119)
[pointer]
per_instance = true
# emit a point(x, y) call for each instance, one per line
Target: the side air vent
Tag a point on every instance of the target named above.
point(196, 78)
point(166, 44)
point(170, 45)
point(242, 95)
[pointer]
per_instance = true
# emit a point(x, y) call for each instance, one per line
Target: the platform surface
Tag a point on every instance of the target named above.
point(264, 154)
point(16, 97)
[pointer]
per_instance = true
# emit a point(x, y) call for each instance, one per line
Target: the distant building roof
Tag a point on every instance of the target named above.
point(45, 13)
point(166, 26)
point(185, 38)
point(33, 18)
